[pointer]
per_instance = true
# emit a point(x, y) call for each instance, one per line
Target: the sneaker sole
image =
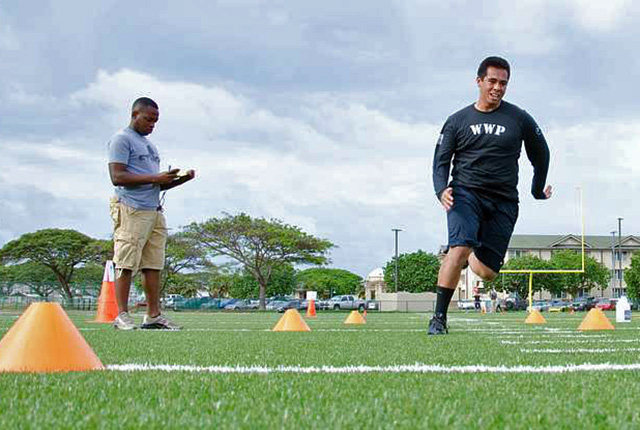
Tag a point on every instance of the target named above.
point(158, 327)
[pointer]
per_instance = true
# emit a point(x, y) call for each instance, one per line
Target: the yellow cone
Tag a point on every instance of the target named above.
point(355, 318)
point(596, 320)
point(291, 321)
point(44, 339)
point(535, 317)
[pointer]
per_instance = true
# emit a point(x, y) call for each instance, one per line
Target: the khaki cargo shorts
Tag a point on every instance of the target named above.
point(139, 237)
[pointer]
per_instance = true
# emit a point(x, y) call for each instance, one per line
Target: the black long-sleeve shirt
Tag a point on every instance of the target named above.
point(485, 147)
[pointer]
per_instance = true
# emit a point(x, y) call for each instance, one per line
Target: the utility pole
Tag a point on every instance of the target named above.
point(613, 261)
point(620, 250)
point(396, 231)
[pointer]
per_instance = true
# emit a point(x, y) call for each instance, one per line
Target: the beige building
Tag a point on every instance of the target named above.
point(376, 289)
point(374, 284)
point(603, 249)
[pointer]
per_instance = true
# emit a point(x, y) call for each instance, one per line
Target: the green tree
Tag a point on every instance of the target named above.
point(632, 277)
point(183, 255)
point(59, 250)
point(282, 282)
point(40, 279)
point(258, 244)
point(326, 281)
point(519, 283)
point(417, 272)
point(595, 274)
point(188, 284)
point(88, 278)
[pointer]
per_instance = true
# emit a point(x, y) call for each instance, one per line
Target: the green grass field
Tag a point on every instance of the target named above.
point(286, 398)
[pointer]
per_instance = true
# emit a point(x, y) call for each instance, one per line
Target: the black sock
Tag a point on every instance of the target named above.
point(443, 300)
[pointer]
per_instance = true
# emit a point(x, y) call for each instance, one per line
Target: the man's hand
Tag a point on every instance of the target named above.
point(446, 198)
point(179, 180)
point(165, 178)
point(548, 192)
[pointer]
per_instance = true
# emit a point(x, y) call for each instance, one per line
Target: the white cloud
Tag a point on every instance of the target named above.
point(599, 15)
point(338, 169)
point(8, 39)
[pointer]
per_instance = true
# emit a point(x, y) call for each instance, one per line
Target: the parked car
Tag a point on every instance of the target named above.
point(346, 302)
point(291, 304)
point(194, 303)
point(322, 305)
point(606, 304)
point(466, 305)
point(540, 305)
point(170, 299)
point(515, 303)
point(241, 305)
point(559, 306)
point(274, 305)
point(583, 303)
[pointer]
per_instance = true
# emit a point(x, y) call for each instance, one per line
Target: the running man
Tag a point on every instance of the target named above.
point(484, 140)
point(140, 230)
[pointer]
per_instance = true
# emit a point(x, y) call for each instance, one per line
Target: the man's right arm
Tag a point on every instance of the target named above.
point(121, 177)
point(442, 158)
point(119, 153)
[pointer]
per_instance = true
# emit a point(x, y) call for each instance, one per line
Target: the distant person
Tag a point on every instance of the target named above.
point(484, 140)
point(494, 300)
point(140, 229)
point(476, 301)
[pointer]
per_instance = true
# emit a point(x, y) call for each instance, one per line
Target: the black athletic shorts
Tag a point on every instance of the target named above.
point(483, 223)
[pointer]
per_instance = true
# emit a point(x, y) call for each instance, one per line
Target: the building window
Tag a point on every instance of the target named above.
point(618, 292)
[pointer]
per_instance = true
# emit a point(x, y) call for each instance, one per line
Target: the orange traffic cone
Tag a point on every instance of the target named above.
point(355, 318)
point(311, 309)
point(44, 339)
point(364, 314)
point(107, 305)
point(596, 320)
point(535, 317)
point(291, 321)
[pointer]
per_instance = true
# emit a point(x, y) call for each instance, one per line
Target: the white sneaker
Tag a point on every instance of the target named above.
point(158, 323)
point(124, 321)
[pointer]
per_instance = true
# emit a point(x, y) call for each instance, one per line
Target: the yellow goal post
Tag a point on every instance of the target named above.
point(530, 272)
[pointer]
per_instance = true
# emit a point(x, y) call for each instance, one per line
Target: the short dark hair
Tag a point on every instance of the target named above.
point(144, 102)
point(497, 62)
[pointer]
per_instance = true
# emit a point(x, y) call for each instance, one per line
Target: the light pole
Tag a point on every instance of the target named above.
point(620, 251)
point(613, 260)
point(396, 231)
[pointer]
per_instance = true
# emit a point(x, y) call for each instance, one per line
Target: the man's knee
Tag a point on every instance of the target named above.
point(481, 269)
point(458, 255)
point(488, 275)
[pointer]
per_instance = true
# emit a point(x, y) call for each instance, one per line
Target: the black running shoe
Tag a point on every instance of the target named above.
point(159, 322)
point(438, 325)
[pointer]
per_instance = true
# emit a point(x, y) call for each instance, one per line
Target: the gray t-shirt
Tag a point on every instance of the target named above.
point(141, 157)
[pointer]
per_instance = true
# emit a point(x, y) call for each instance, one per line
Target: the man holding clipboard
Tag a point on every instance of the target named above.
point(140, 229)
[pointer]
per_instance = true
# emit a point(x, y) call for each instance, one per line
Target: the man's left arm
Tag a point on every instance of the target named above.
point(181, 180)
point(538, 153)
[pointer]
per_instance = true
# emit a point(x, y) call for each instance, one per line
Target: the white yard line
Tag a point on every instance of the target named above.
point(540, 342)
point(410, 368)
point(579, 350)
point(359, 330)
point(554, 336)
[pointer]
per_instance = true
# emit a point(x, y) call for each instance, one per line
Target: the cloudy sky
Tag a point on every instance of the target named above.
point(321, 113)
